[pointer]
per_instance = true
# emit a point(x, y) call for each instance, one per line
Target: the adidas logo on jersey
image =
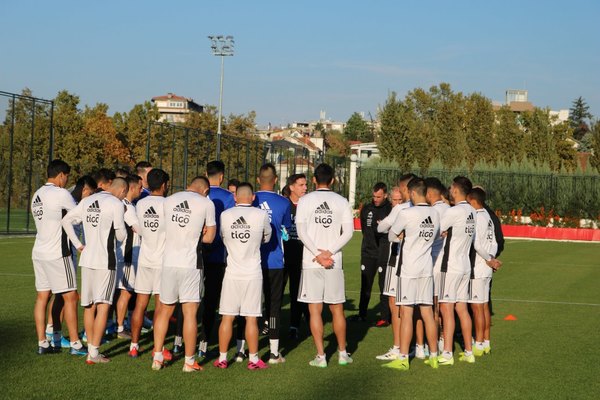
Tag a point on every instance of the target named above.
point(183, 207)
point(240, 223)
point(149, 216)
point(324, 215)
point(427, 223)
point(470, 228)
point(265, 206)
point(37, 211)
point(470, 218)
point(94, 207)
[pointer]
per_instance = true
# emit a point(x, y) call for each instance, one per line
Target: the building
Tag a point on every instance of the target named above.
point(518, 102)
point(173, 108)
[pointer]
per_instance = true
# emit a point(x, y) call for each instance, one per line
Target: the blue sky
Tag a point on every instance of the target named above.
point(294, 59)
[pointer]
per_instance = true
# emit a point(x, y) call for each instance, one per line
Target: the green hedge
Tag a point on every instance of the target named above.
point(567, 195)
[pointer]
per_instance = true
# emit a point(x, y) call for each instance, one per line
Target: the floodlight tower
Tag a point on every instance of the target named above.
point(221, 46)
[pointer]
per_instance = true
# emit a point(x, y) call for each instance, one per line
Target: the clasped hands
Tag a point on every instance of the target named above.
point(324, 258)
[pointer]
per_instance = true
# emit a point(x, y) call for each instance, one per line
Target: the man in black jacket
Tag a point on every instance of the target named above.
point(374, 252)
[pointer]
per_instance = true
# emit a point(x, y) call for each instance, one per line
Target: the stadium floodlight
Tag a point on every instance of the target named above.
point(221, 46)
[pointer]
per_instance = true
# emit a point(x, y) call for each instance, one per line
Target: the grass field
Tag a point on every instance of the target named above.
point(549, 352)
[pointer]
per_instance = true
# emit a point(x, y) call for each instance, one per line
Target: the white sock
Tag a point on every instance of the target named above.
point(433, 354)
point(189, 360)
point(479, 345)
point(274, 344)
point(403, 356)
point(395, 348)
point(178, 341)
point(447, 354)
point(321, 356)
point(43, 343)
point(486, 343)
point(203, 346)
point(49, 328)
point(120, 329)
point(420, 346)
point(253, 357)
point(239, 348)
point(343, 353)
point(76, 345)
point(134, 346)
point(93, 351)
point(158, 356)
point(222, 356)
point(468, 353)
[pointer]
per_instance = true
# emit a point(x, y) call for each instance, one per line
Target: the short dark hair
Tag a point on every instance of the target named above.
point(85, 180)
point(245, 184)
point(406, 178)
point(435, 184)
point(380, 186)
point(293, 178)
point(122, 172)
point(103, 175)
point(215, 168)
point(285, 191)
point(56, 167)
point(201, 178)
point(463, 184)
point(477, 194)
point(267, 166)
point(418, 185)
point(142, 165)
point(133, 179)
point(233, 182)
point(156, 178)
point(324, 174)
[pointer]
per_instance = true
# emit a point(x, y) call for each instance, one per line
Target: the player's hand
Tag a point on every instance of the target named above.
point(204, 230)
point(401, 236)
point(494, 264)
point(444, 234)
point(80, 248)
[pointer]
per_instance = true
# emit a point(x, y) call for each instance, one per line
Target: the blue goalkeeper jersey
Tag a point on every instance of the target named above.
point(223, 200)
point(278, 208)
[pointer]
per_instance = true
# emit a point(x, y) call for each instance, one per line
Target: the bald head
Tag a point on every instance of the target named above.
point(244, 194)
point(119, 188)
point(200, 185)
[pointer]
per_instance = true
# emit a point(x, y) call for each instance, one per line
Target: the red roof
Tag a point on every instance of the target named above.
point(171, 96)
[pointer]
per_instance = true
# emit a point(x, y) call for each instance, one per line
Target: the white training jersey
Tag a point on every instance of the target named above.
point(49, 205)
point(102, 215)
point(485, 244)
point(129, 249)
point(324, 221)
point(186, 214)
point(438, 242)
point(243, 229)
point(151, 217)
point(386, 223)
point(459, 223)
point(420, 225)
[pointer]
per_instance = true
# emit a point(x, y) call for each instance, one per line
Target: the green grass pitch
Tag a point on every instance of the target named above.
point(549, 352)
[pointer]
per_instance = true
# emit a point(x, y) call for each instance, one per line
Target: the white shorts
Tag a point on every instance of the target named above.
point(241, 297)
point(147, 280)
point(437, 276)
point(390, 285)
point(183, 285)
point(480, 290)
point(97, 286)
point(126, 276)
point(454, 288)
point(412, 291)
point(57, 275)
point(322, 285)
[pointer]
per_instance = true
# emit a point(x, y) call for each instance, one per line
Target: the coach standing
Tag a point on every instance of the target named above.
point(374, 251)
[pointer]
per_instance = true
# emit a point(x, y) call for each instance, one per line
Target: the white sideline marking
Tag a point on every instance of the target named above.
point(567, 303)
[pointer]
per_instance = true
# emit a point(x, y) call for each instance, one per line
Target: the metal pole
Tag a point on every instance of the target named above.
point(30, 164)
point(220, 110)
point(51, 150)
point(10, 162)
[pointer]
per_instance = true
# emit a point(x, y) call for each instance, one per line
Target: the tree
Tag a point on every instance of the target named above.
point(480, 126)
point(578, 116)
point(538, 136)
point(132, 129)
point(450, 123)
point(394, 139)
point(358, 129)
point(563, 155)
point(595, 145)
point(337, 144)
point(510, 138)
